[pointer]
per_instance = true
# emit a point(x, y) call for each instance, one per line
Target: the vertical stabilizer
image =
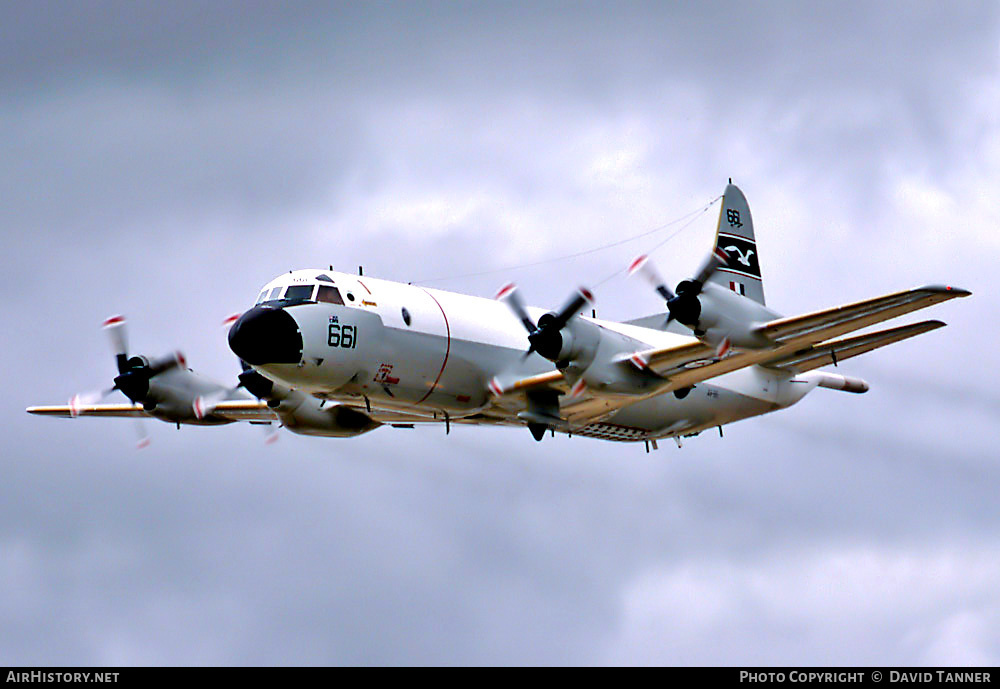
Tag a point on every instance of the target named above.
point(735, 238)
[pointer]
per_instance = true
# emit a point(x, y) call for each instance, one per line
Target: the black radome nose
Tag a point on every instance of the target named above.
point(266, 335)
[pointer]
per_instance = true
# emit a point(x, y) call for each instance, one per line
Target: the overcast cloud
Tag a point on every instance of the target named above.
point(165, 160)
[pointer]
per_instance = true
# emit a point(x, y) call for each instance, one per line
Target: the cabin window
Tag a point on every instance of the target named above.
point(330, 295)
point(299, 292)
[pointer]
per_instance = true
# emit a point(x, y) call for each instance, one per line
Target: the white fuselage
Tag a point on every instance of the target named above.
point(432, 353)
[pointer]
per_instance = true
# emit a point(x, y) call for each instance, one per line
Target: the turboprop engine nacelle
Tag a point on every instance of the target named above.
point(715, 314)
point(727, 315)
point(594, 358)
point(579, 344)
point(304, 414)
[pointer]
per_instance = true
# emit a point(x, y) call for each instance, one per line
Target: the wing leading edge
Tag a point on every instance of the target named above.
point(822, 325)
point(124, 411)
point(233, 410)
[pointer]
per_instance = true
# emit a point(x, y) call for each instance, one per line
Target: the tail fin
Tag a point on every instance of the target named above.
point(735, 238)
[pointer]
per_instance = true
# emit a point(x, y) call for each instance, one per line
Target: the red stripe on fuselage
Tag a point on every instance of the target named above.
point(447, 351)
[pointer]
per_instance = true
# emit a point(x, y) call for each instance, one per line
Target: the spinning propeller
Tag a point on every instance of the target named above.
point(683, 306)
point(546, 336)
point(134, 373)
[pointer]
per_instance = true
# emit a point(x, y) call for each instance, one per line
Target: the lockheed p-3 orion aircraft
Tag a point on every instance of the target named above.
point(336, 354)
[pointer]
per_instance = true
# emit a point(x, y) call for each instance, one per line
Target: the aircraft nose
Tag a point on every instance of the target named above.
point(266, 335)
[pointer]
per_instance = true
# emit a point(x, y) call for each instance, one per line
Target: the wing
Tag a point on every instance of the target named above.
point(680, 365)
point(549, 379)
point(822, 325)
point(110, 410)
point(700, 365)
point(685, 365)
point(234, 410)
point(835, 351)
point(662, 361)
point(667, 360)
point(694, 362)
point(244, 410)
point(800, 343)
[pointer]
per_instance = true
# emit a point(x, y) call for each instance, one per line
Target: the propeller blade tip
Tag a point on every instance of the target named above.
point(232, 318)
point(637, 263)
point(723, 348)
point(496, 388)
point(142, 443)
point(505, 291)
point(113, 321)
point(587, 294)
point(639, 361)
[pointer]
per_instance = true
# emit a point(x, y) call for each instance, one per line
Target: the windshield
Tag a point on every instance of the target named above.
point(330, 295)
point(299, 293)
point(271, 295)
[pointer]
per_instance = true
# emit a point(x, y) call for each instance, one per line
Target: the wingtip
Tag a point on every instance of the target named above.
point(50, 410)
point(951, 290)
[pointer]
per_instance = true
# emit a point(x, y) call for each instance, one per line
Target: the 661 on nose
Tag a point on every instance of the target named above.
point(345, 336)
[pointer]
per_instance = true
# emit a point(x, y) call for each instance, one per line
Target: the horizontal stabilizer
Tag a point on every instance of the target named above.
point(836, 351)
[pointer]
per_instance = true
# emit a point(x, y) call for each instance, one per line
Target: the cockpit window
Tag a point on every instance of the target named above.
point(274, 294)
point(262, 296)
point(324, 278)
point(330, 295)
point(299, 292)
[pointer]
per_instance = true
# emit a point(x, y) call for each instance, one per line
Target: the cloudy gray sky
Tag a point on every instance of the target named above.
point(164, 160)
